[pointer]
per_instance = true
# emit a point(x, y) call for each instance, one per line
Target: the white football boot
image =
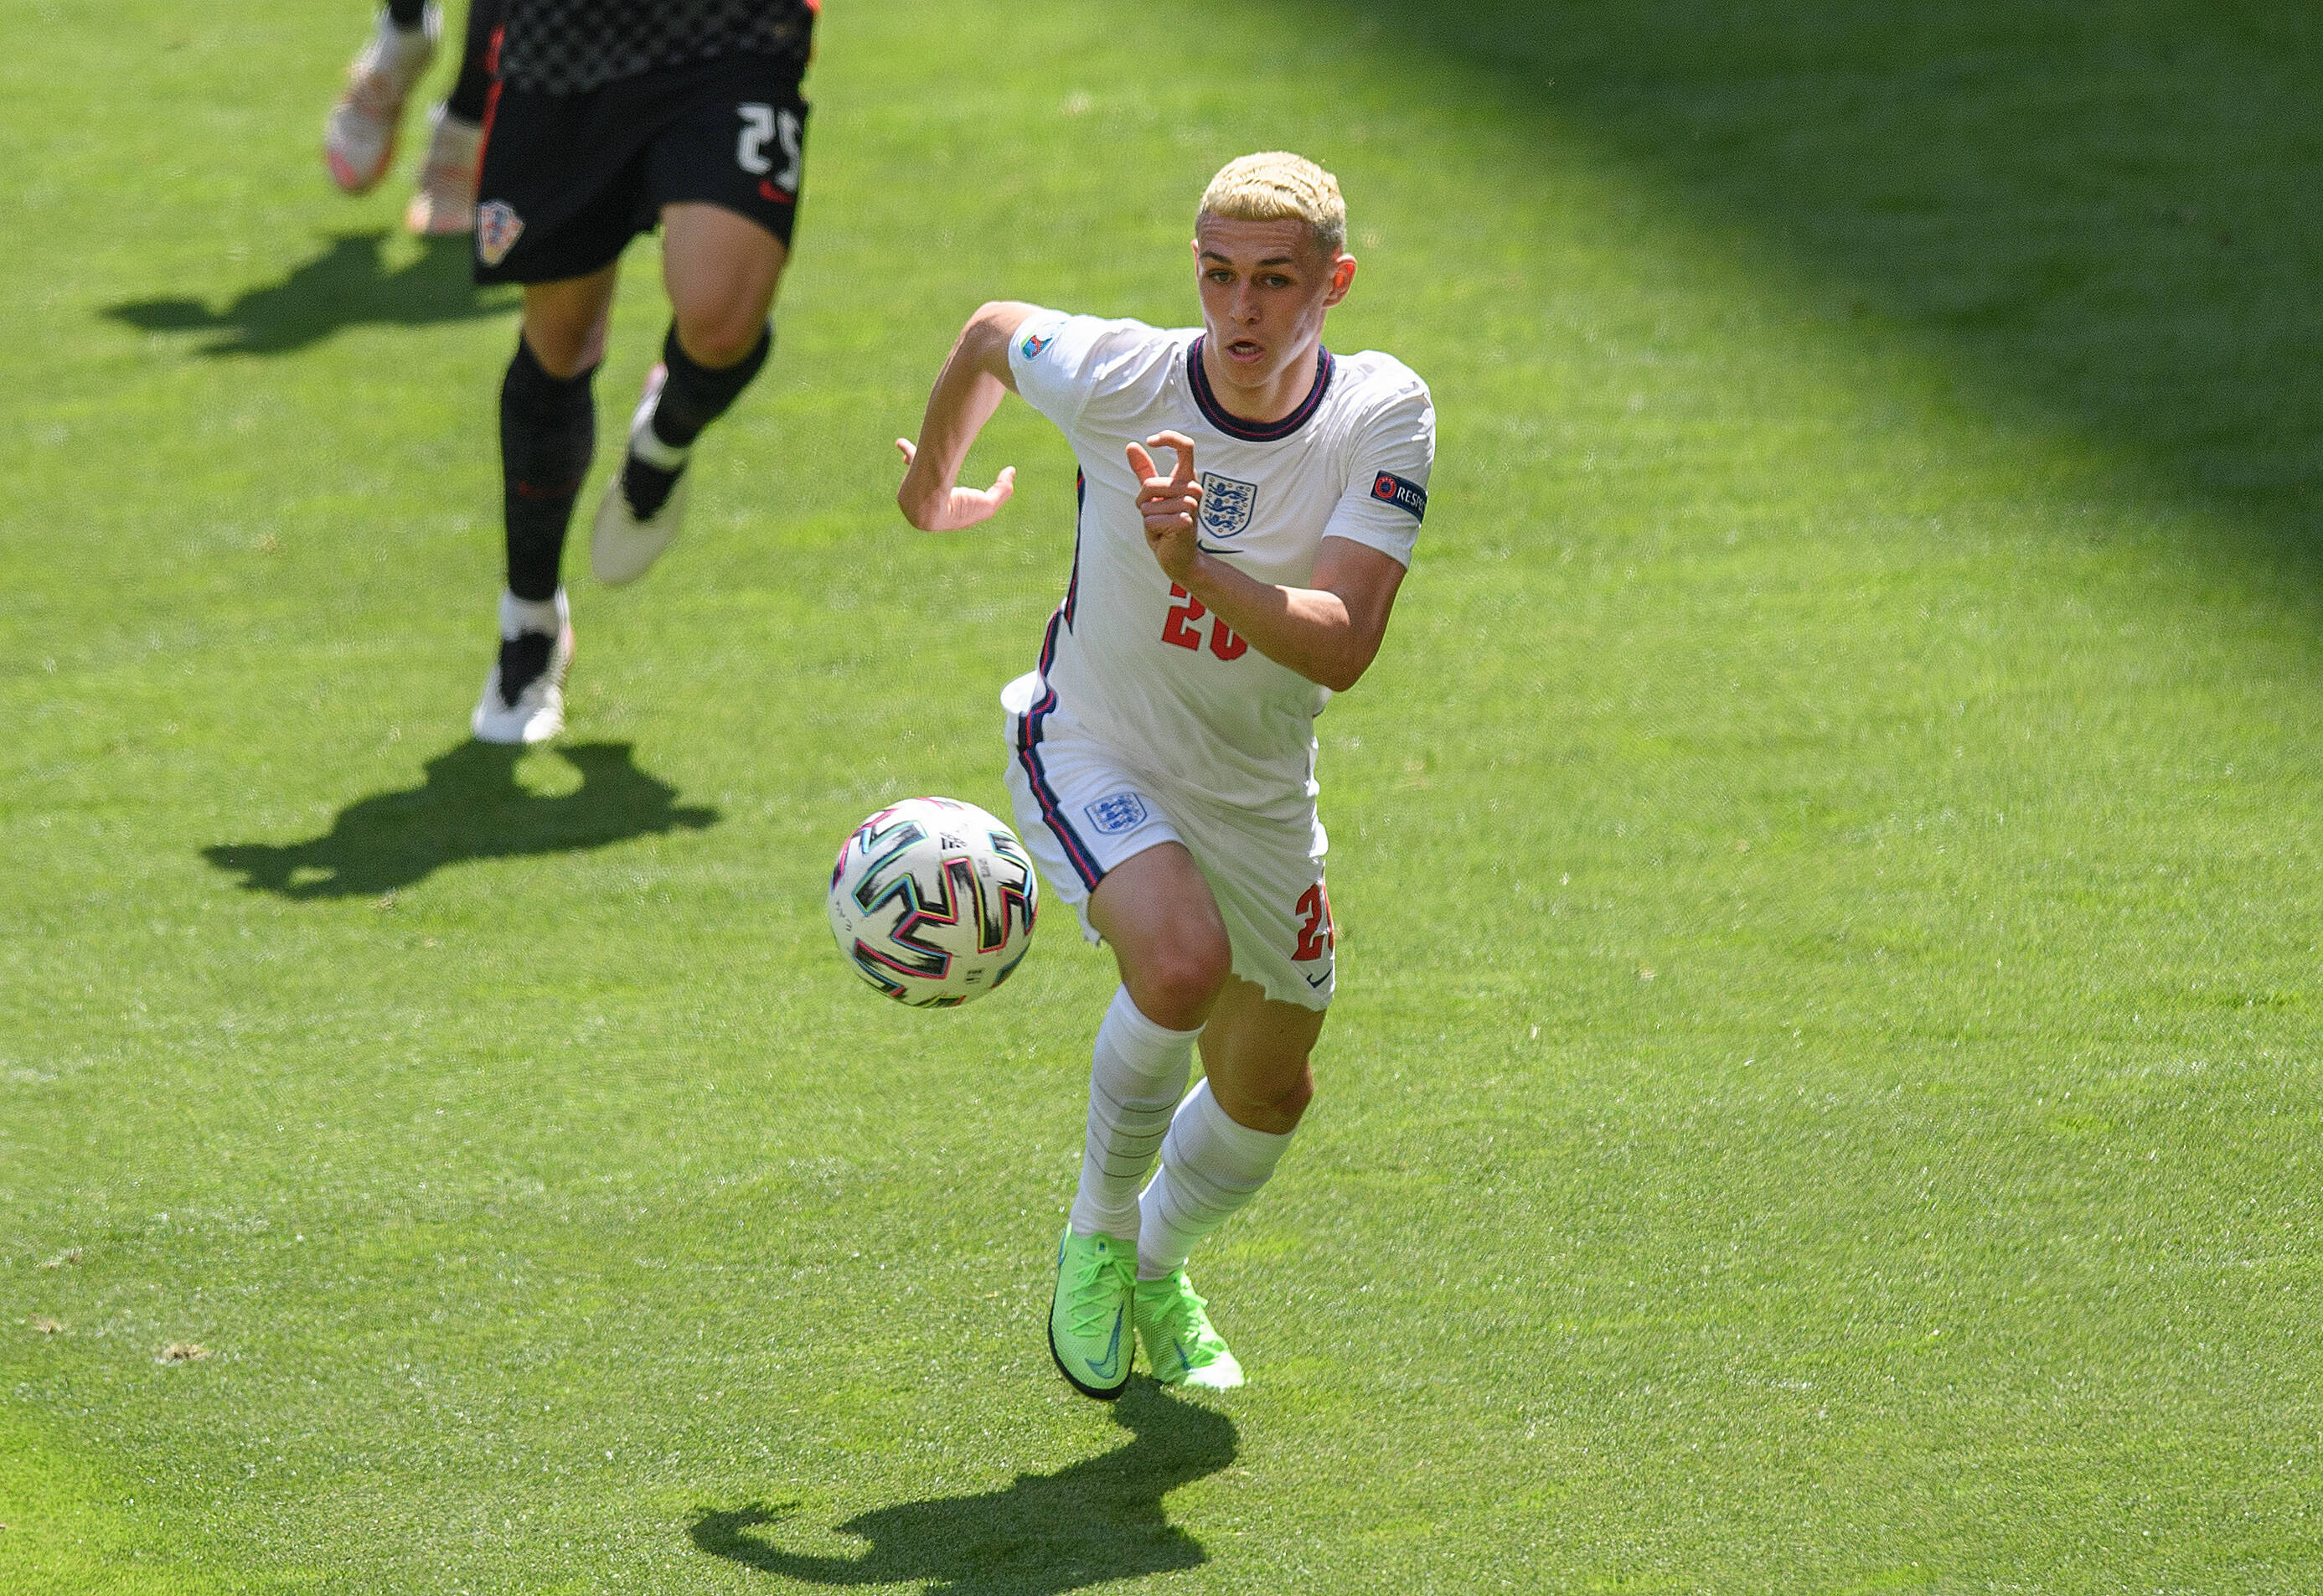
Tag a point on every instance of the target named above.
point(445, 203)
point(534, 663)
point(359, 137)
point(622, 547)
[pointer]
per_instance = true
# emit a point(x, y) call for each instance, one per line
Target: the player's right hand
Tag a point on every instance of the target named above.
point(1168, 504)
point(934, 507)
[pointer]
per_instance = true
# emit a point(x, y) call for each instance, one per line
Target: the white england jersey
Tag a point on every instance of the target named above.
point(1131, 659)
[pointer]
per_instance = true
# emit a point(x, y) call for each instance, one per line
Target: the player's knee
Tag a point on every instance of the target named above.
point(1274, 1106)
point(721, 338)
point(1186, 973)
point(1295, 1097)
point(566, 350)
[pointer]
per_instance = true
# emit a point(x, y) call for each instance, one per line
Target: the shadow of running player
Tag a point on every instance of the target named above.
point(347, 285)
point(1097, 1520)
point(470, 807)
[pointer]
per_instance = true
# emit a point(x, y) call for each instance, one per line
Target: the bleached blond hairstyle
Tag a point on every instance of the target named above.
point(1276, 186)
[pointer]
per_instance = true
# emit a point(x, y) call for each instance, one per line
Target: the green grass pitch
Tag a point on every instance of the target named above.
point(1825, 1092)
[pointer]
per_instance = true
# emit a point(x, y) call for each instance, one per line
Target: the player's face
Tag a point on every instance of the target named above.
point(1265, 286)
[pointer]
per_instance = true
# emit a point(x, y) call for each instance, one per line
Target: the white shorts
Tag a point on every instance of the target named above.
point(1081, 813)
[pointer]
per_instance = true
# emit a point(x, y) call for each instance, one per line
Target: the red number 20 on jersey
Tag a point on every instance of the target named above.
point(1179, 628)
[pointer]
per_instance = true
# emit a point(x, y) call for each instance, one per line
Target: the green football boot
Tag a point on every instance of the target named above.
point(1181, 1345)
point(1089, 1331)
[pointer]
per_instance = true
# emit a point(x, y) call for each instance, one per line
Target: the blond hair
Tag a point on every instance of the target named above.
point(1276, 186)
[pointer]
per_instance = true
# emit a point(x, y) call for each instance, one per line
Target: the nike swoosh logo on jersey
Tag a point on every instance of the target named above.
point(1317, 981)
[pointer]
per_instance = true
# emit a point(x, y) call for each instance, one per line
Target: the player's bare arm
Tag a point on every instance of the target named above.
point(975, 379)
point(1328, 633)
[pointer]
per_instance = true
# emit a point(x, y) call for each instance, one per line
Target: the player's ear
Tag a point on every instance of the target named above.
point(1343, 278)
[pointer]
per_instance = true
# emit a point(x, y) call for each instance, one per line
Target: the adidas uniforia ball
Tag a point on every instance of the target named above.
point(933, 902)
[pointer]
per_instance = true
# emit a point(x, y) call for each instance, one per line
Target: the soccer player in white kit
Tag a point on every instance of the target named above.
point(1161, 757)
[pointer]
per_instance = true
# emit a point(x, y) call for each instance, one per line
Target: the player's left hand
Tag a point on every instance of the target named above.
point(1171, 505)
point(948, 507)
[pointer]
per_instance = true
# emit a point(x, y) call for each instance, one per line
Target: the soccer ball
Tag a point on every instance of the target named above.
point(932, 900)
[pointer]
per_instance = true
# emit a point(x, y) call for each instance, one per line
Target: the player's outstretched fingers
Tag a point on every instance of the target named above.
point(910, 452)
point(1141, 459)
point(1169, 505)
point(1168, 499)
point(1183, 447)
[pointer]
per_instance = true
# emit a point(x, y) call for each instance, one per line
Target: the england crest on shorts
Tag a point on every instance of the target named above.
point(1227, 505)
point(497, 228)
point(1120, 812)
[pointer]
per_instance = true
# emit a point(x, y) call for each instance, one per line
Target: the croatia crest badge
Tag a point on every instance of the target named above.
point(498, 227)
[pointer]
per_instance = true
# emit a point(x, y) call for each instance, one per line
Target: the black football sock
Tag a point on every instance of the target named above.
point(406, 14)
point(470, 94)
point(693, 396)
point(548, 431)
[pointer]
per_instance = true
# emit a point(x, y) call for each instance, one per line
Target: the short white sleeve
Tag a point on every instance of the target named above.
point(1386, 495)
point(1063, 363)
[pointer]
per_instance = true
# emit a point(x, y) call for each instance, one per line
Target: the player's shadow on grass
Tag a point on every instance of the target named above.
point(348, 285)
point(469, 808)
point(1095, 1521)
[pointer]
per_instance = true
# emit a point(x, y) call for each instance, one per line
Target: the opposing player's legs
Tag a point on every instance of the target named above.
point(444, 202)
point(721, 269)
point(359, 135)
point(548, 432)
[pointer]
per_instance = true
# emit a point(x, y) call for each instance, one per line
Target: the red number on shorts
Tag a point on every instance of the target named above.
point(1178, 628)
point(1316, 937)
point(1174, 630)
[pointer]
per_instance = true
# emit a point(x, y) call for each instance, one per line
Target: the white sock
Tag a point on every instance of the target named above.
point(520, 616)
point(1137, 1072)
point(1210, 1167)
point(449, 129)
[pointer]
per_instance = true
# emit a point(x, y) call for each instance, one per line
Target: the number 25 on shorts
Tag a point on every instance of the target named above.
point(1179, 628)
point(762, 125)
